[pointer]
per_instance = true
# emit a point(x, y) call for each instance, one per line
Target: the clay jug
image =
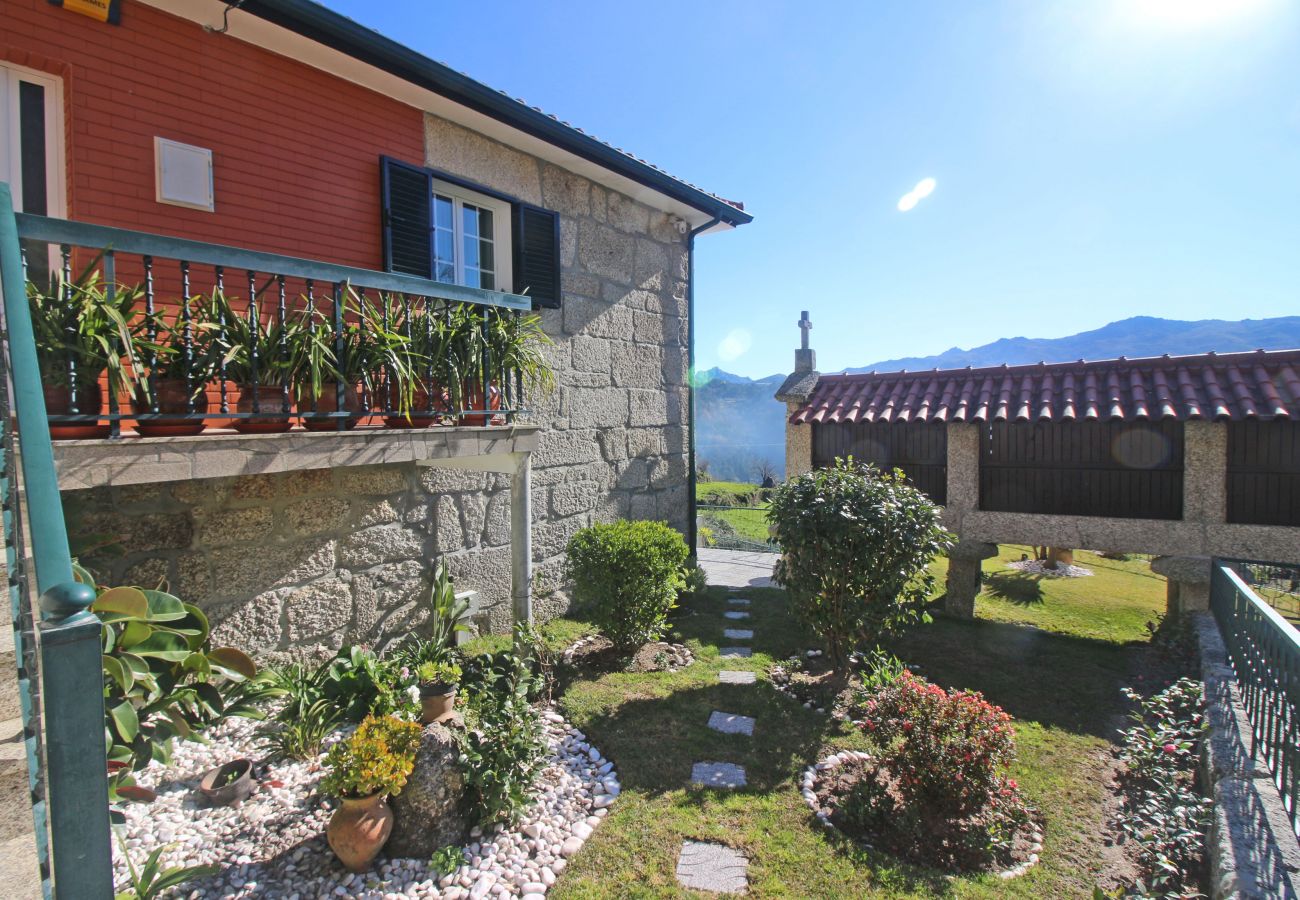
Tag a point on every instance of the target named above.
point(358, 830)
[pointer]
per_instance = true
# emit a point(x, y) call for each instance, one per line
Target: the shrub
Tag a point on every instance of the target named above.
point(942, 785)
point(376, 759)
point(629, 574)
point(856, 545)
point(503, 746)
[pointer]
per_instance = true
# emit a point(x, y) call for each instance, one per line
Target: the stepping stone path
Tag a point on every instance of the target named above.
point(726, 677)
point(739, 634)
point(735, 651)
point(712, 867)
point(736, 615)
point(718, 775)
point(731, 723)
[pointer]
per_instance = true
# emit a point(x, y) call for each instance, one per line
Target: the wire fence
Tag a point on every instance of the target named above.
point(734, 527)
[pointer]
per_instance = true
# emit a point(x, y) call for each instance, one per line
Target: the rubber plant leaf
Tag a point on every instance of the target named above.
point(125, 720)
point(163, 645)
point(230, 660)
point(163, 607)
point(120, 673)
point(126, 601)
point(134, 632)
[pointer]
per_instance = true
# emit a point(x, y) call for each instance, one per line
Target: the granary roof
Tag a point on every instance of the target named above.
point(1258, 384)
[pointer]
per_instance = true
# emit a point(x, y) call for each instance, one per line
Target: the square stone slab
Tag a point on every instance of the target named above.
point(717, 775)
point(737, 601)
point(738, 634)
point(712, 867)
point(731, 723)
point(736, 651)
point(727, 677)
point(736, 615)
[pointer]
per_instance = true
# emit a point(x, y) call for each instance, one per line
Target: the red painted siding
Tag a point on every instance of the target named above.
point(295, 150)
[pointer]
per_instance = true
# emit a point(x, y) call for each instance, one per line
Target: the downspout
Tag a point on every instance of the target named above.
point(691, 526)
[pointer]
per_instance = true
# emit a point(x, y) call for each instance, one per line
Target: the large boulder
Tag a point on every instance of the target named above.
point(431, 811)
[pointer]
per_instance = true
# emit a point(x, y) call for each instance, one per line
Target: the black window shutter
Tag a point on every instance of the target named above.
point(537, 255)
point(407, 196)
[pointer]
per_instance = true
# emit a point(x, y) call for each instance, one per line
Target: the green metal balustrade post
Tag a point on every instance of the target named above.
point(69, 634)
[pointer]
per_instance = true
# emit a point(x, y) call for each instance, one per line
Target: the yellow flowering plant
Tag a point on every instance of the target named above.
point(376, 759)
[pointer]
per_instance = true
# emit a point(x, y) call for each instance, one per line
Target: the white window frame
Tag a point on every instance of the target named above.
point(56, 182)
point(503, 255)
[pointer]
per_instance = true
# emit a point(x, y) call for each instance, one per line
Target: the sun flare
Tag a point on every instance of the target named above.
point(1190, 13)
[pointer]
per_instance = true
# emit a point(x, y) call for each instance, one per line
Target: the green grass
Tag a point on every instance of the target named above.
point(1064, 691)
point(1114, 604)
point(748, 523)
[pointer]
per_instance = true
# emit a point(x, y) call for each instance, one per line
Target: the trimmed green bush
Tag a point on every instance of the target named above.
point(628, 574)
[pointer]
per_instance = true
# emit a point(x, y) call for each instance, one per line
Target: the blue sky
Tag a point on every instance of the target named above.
point(1093, 159)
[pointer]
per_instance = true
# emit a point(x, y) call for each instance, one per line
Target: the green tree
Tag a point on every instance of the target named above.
point(856, 545)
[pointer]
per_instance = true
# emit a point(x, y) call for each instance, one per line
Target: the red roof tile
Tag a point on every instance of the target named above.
point(1259, 384)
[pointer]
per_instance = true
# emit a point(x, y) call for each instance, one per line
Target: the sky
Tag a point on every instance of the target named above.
point(930, 173)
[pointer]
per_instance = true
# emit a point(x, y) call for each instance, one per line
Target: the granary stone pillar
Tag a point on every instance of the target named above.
point(1189, 582)
point(1205, 472)
point(963, 472)
point(964, 576)
point(794, 393)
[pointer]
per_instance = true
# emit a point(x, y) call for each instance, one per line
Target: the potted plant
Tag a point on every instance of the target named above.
point(438, 682)
point(514, 346)
point(432, 371)
point(364, 770)
point(84, 330)
point(183, 357)
point(369, 348)
point(262, 359)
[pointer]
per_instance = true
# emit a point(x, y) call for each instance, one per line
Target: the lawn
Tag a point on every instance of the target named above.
point(1063, 689)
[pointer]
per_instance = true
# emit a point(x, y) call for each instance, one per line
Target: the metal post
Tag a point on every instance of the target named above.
point(521, 538)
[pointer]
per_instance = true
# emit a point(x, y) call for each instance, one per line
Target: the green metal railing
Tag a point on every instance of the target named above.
point(63, 701)
point(1265, 653)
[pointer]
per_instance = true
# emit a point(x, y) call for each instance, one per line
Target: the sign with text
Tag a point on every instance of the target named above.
point(109, 11)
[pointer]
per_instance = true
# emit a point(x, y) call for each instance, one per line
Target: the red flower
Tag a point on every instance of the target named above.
point(1170, 748)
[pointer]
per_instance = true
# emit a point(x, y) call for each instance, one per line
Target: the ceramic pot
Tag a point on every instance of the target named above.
point(358, 830)
point(269, 400)
point(172, 397)
point(235, 779)
point(328, 402)
point(437, 703)
point(90, 402)
point(420, 416)
point(473, 394)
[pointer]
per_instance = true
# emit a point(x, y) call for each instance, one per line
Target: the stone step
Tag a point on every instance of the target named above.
point(731, 723)
point(736, 615)
point(739, 634)
point(727, 677)
point(712, 867)
point(737, 601)
point(717, 775)
point(735, 652)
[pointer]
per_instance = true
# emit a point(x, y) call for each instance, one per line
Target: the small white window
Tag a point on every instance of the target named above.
point(471, 238)
point(184, 174)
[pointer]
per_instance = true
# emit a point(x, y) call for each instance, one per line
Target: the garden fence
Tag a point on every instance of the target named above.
point(734, 527)
point(1265, 653)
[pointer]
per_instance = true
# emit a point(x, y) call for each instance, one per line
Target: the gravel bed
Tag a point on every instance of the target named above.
point(1039, 567)
point(273, 844)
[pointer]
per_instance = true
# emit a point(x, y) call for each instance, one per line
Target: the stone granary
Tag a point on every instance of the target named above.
point(1188, 458)
point(285, 128)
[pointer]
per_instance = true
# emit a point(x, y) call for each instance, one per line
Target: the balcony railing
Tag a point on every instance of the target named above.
point(204, 287)
point(1265, 653)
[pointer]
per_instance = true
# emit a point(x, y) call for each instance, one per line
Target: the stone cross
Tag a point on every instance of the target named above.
point(805, 325)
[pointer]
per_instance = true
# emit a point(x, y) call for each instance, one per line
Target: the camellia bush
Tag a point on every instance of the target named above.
point(628, 574)
point(856, 545)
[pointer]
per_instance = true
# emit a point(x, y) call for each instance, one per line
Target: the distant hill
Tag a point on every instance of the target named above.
point(739, 423)
point(1138, 336)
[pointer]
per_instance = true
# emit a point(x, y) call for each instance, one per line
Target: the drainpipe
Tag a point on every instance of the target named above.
point(691, 521)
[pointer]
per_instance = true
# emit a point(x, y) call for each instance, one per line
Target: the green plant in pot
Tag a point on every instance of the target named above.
point(438, 682)
point(261, 355)
point(370, 350)
point(515, 348)
point(182, 357)
point(86, 331)
point(364, 771)
point(434, 379)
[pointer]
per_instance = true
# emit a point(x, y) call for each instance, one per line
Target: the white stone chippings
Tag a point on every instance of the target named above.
point(273, 844)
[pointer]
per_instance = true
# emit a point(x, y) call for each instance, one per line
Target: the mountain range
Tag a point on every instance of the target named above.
point(740, 426)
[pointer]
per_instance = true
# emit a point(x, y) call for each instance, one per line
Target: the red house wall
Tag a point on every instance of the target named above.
point(295, 150)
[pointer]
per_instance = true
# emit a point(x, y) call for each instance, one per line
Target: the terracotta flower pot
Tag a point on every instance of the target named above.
point(328, 402)
point(90, 402)
point(437, 703)
point(172, 397)
point(420, 416)
point(473, 394)
point(228, 784)
point(358, 830)
point(270, 418)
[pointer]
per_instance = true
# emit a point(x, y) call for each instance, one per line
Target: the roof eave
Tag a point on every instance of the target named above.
point(317, 23)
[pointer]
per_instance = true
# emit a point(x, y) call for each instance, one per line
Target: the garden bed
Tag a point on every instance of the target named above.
point(597, 652)
point(273, 844)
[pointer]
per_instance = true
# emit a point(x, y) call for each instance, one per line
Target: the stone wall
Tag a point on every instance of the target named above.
point(319, 558)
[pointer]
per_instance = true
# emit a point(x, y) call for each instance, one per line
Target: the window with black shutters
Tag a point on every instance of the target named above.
point(439, 227)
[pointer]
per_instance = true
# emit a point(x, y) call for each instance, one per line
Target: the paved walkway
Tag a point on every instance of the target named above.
point(737, 568)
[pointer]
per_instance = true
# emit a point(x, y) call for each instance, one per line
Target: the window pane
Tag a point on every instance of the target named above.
point(485, 224)
point(444, 245)
point(469, 220)
point(441, 211)
point(471, 251)
point(445, 272)
point(486, 256)
point(487, 281)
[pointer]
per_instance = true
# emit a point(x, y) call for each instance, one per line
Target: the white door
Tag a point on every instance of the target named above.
point(31, 140)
